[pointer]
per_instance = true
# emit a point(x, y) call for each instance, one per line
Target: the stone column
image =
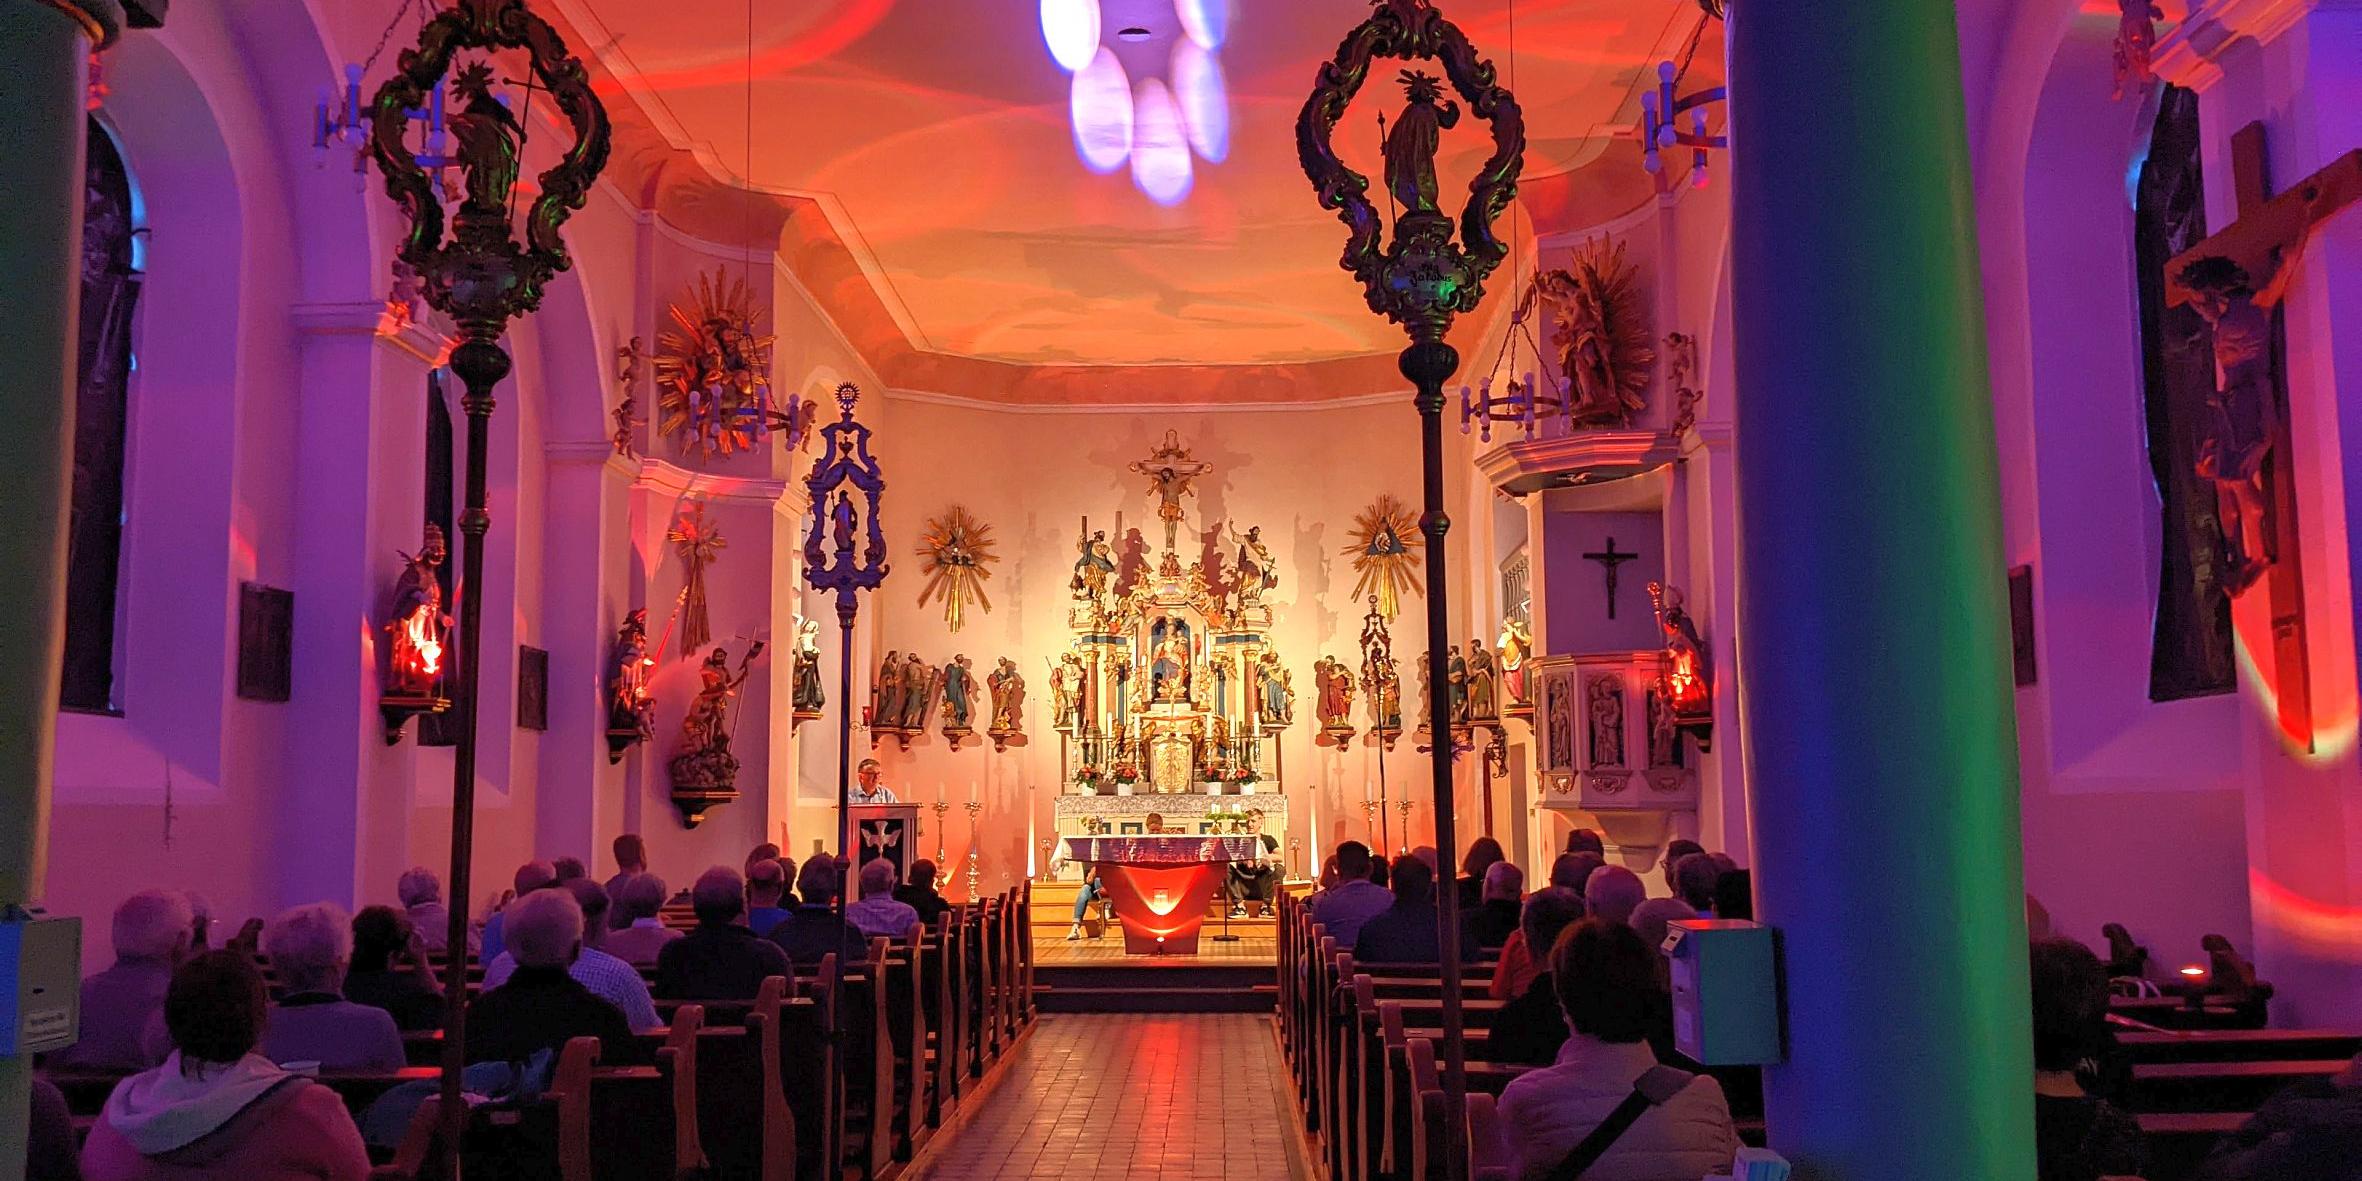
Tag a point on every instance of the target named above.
point(44, 45)
point(1878, 725)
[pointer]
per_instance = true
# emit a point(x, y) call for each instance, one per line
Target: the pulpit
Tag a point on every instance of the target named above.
point(1160, 885)
point(890, 831)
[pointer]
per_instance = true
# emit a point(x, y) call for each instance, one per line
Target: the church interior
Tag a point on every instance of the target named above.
point(1368, 590)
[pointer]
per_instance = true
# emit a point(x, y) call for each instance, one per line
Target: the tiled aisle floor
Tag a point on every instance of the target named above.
point(1153, 1096)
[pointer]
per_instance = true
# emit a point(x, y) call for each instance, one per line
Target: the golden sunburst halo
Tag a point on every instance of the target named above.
point(713, 371)
point(959, 555)
point(1386, 553)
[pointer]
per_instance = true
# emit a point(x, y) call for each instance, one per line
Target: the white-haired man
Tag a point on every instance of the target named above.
point(878, 912)
point(531, 876)
point(151, 936)
point(542, 1005)
point(310, 949)
point(421, 893)
point(610, 979)
point(641, 934)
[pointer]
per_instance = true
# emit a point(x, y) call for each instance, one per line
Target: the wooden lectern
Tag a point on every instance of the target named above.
point(890, 831)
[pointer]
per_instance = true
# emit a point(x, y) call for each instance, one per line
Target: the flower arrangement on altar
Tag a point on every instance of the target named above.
point(1126, 773)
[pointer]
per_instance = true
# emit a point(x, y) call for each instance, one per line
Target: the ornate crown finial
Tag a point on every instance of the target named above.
point(847, 395)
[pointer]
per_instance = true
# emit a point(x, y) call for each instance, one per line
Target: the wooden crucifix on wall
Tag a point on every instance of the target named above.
point(1609, 558)
point(2236, 280)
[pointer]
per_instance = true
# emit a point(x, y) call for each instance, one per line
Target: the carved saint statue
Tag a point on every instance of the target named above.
point(808, 696)
point(918, 691)
point(1094, 565)
point(1066, 688)
point(1387, 698)
point(1411, 145)
point(2238, 441)
point(1278, 697)
point(1254, 574)
point(707, 725)
point(1606, 701)
point(416, 626)
point(1168, 667)
point(1512, 649)
point(1008, 700)
point(1484, 703)
point(885, 698)
point(631, 709)
point(1335, 685)
point(491, 147)
point(959, 694)
point(1559, 713)
point(1456, 674)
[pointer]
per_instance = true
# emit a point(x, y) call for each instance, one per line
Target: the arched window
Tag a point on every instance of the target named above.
point(2192, 655)
point(111, 269)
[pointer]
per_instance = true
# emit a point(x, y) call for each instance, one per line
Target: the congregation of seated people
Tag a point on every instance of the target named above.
point(1587, 1011)
point(215, 1046)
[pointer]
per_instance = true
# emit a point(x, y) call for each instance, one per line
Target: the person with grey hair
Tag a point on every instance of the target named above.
point(1520, 964)
point(721, 960)
point(879, 912)
point(542, 1006)
point(1613, 893)
point(639, 933)
point(1494, 917)
point(1530, 1029)
point(152, 932)
point(421, 895)
point(815, 929)
point(310, 947)
point(767, 899)
point(1654, 919)
point(610, 979)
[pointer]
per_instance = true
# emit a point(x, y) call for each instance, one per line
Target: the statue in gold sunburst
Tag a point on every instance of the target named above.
point(959, 558)
point(1386, 554)
point(713, 371)
point(1599, 330)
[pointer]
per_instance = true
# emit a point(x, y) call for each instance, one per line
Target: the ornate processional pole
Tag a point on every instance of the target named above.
point(481, 277)
point(1421, 280)
point(846, 469)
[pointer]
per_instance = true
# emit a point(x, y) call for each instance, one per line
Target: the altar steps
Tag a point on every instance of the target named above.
point(1154, 985)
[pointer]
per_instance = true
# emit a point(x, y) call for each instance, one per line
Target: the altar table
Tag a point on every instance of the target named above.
point(1160, 885)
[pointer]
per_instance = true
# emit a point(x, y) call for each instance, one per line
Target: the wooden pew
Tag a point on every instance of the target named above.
point(2239, 1045)
point(2221, 1086)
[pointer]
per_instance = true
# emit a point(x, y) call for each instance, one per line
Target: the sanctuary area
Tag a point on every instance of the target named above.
point(1353, 590)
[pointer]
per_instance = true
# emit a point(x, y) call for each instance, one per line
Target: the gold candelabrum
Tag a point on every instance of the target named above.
point(1369, 816)
point(975, 813)
point(1403, 808)
point(1296, 854)
point(941, 829)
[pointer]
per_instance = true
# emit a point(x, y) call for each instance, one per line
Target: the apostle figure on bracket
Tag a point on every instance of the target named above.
point(417, 630)
point(1687, 682)
point(959, 701)
point(631, 708)
point(885, 698)
point(1008, 705)
point(1482, 692)
point(2239, 417)
point(1335, 687)
point(807, 694)
point(1511, 651)
point(919, 683)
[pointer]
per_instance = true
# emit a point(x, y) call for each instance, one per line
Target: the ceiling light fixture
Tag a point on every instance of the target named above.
point(1160, 122)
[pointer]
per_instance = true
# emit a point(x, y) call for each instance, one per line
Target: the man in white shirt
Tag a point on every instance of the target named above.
point(878, 913)
point(1354, 900)
point(867, 790)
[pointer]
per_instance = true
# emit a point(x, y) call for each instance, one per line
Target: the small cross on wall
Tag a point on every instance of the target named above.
point(1609, 559)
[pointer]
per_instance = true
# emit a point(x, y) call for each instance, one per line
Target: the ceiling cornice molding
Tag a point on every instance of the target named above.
point(2189, 56)
point(786, 497)
point(1401, 397)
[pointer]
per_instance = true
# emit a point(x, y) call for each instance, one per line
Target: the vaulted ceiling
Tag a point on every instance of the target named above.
point(941, 138)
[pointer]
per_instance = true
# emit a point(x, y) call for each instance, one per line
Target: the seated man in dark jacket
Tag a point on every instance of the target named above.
point(919, 893)
point(1494, 917)
point(540, 1007)
point(1405, 933)
point(815, 930)
point(1530, 1028)
point(719, 960)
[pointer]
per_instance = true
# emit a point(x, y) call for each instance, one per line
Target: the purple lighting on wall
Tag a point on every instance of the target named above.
point(1159, 125)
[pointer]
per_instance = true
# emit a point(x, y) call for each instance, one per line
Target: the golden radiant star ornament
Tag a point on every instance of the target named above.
point(958, 550)
point(1386, 554)
point(713, 372)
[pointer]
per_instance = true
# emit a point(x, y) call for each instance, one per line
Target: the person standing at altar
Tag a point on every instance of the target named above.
point(868, 790)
